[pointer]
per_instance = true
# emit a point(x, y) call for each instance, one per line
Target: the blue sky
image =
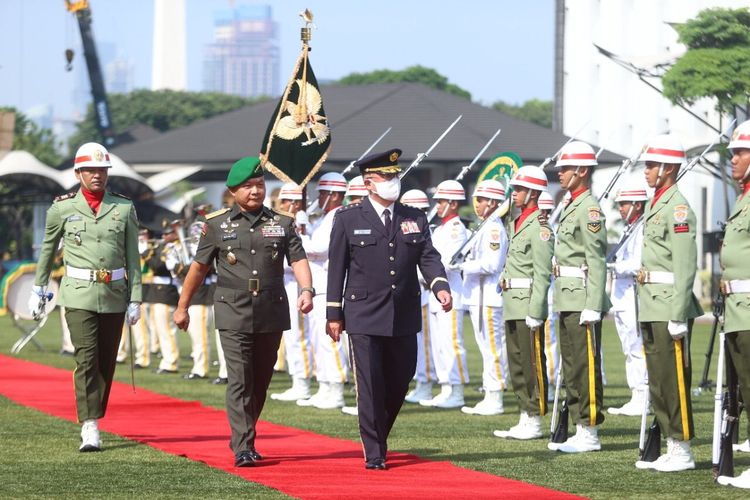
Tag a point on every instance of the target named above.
point(496, 49)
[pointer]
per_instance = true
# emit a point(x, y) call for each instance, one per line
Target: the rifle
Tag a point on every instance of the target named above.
point(311, 206)
point(727, 407)
point(559, 426)
point(639, 222)
point(465, 170)
point(421, 156)
point(499, 211)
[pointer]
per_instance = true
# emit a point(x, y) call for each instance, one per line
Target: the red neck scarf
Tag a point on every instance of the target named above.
point(745, 189)
point(658, 194)
point(449, 217)
point(530, 209)
point(93, 199)
point(578, 193)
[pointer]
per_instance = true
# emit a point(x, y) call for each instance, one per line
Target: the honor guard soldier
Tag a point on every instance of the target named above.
point(735, 282)
point(356, 190)
point(525, 282)
point(631, 201)
point(667, 305)
point(249, 244)
point(374, 293)
point(481, 274)
point(546, 205)
point(162, 296)
point(102, 283)
point(331, 365)
point(580, 296)
point(447, 326)
point(425, 372)
point(297, 344)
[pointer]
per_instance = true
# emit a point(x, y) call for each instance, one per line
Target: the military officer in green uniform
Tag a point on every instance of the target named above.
point(580, 296)
point(735, 281)
point(525, 283)
point(667, 305)
point(102, 282)
point(249, 244)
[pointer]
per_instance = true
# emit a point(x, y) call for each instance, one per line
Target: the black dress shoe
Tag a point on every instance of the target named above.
point(375, 464)
point(162, 371)
point(244, 459)
point(256, 456)
point(220, 381)
point(194, 376)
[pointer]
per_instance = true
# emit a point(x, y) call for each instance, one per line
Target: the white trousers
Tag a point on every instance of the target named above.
point(632, 347)
point(220, 356)
point(297, 344)
point(160, 321)
point(447, 343)
point(550, 347)
point(201, 323)
point(490, 337)
point(425, 360)
point(141, 336)
point(67, 344)
point(331, 364)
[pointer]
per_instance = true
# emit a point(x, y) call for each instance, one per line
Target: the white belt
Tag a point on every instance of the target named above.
point(507, 284)
point(729, 287)
point(163, 280)
point(656, 277)
point(98, 275)
point(570, 272)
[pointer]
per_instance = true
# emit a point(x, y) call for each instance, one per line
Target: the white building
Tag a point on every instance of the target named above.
point(623, 111)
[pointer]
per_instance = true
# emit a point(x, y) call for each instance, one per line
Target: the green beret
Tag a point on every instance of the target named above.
point(244, 169)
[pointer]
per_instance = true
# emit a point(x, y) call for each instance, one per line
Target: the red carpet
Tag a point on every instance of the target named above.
point(298, 463)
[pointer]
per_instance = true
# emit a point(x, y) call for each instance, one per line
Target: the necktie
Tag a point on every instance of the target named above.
point(387, 219)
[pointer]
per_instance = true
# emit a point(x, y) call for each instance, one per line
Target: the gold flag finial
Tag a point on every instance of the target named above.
point(306, 31)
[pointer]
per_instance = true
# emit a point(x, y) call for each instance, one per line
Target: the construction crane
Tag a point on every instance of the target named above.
point(82, 11)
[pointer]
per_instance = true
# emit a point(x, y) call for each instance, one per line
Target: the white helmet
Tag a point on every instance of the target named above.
point(290, 191)
point(741, 136)
point(449, 190)
point(634, 190)
point(332, 181)
point(490, 188)
point(545, 201)
point(530, 176)
point(577, 154)
point(415, 198)
point(664, 149)
point(356, 187)
point(92, 154)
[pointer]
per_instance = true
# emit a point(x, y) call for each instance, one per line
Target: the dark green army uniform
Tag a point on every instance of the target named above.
point(95, 304)
point(669, 247)
point(251, 305)
point(734, 254)
point(581, 249)
point(525, 282)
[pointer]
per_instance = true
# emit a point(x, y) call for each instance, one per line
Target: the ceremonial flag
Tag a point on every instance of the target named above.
point(298, 139)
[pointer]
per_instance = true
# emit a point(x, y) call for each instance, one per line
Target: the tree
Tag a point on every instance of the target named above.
point(534, 111)
point(416, 74)
point(717, 62)
point(161, 109)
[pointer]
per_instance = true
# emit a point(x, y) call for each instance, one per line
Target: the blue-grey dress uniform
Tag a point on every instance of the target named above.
point(373, 287)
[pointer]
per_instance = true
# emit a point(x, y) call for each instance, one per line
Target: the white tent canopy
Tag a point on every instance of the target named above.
point(24, 169)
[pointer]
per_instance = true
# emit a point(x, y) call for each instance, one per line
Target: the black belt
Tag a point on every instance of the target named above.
point(250, 285)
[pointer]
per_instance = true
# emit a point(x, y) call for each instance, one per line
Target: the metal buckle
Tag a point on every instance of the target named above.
point(642, 276)
point(504, 284)
point(556, 270)
point(103, 276)
point(253, 285)
point(724, 287)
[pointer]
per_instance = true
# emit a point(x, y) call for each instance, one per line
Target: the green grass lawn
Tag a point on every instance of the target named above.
point(40, 459)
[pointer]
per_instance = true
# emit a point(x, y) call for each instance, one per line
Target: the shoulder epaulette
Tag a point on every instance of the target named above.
point(350, 206)
point(542, 218)
point(65, 196)
point(285, 214)
point(118, 195)
point(217, 213)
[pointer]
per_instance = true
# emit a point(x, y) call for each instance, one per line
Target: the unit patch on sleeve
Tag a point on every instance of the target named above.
point(594, 227)
point(594, 214)
point(682, 227)
point(680, 213)
point(544, 234)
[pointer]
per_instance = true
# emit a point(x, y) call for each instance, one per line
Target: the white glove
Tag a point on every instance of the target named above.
point(37, 292)
point(133, 314)
point(589, 317)
point(677, 329)
point(533, 323)
point(300, 218)
point(457, 267)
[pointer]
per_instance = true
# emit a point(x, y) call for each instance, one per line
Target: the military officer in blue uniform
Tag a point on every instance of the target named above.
point(374, 293)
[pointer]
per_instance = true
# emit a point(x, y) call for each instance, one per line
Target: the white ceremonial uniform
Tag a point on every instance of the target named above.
point(141, 335)
point(481, 269)
point(425, 360)
point(447, 327)
point(331, 365)
point(627, 264)
point(297, 344)
point(550, 340)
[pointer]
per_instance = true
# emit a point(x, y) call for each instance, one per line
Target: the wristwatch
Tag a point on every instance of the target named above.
point(307, 289)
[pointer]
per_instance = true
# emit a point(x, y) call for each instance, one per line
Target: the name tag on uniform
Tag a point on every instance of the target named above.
point(362, 231)
point(230, 236)
point(272, 231)
point(410, 227)
point(74, 218)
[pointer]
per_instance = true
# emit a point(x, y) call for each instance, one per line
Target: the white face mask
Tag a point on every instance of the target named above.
point(388, 190)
